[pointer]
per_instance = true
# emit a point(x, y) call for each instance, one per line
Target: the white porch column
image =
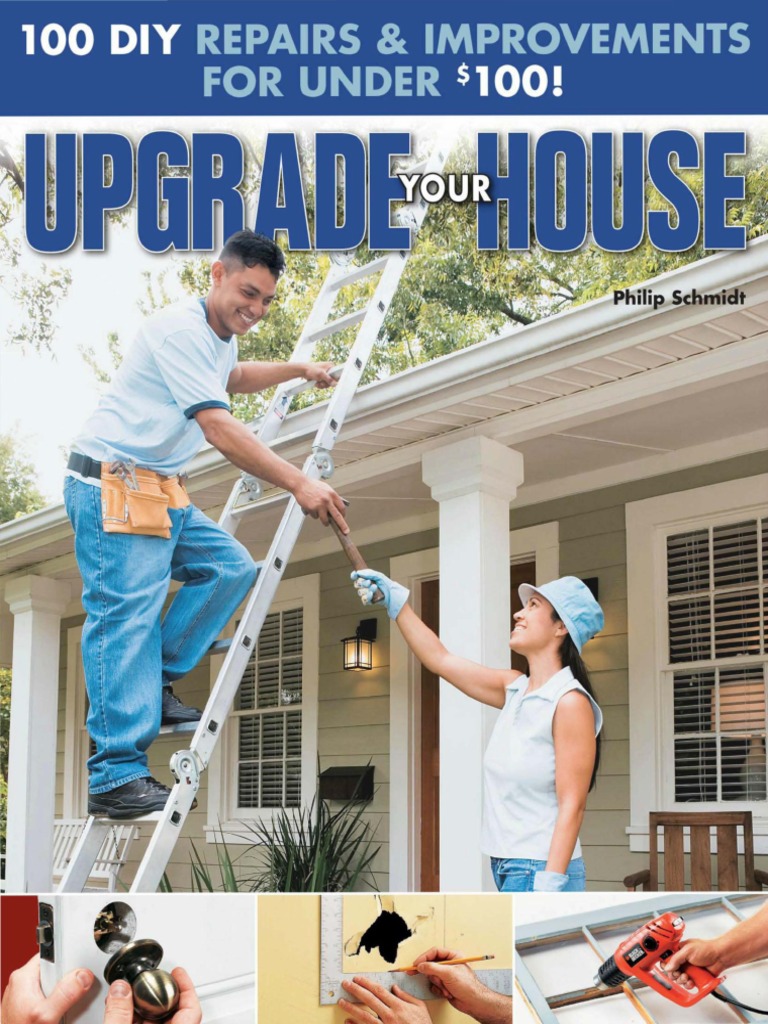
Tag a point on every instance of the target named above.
point(37, 605)
point(474, 481)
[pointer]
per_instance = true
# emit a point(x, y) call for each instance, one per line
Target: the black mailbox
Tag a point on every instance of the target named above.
point(347, 783)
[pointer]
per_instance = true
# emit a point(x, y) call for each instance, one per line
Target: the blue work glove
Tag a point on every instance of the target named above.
point(549, 881)
point(368, 581)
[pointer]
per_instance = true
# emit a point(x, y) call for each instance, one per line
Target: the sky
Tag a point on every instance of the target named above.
point(45, 397)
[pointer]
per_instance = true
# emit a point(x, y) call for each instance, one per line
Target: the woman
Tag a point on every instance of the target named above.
point(544, 751)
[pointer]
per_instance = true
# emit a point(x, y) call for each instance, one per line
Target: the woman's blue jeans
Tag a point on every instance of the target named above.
point(516, 875)
point(128, 654)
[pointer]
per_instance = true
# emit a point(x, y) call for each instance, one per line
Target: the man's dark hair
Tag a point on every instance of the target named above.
point(250, 249)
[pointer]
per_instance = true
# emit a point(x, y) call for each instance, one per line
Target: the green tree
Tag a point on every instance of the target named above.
point(18, 493)
point(35, 294)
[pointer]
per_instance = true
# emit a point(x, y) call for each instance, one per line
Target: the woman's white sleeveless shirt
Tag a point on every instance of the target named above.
point(519, 799)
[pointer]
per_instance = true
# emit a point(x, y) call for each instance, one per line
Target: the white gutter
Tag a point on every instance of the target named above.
point(491, 358)
point(33, 523)
point(563, 330)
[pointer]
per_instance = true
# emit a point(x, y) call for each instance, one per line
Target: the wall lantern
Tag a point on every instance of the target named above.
point(358, 649)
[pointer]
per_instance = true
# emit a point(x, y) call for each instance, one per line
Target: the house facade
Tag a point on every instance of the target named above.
point(622, 444)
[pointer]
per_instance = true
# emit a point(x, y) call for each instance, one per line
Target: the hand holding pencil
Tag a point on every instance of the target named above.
point(452, 978)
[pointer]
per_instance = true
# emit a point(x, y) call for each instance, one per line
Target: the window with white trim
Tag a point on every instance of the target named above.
point(268, 751)
point(716, 650)
point(697, 589)
point(268, 712)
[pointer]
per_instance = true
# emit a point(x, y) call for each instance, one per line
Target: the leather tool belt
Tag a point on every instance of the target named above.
point(133, 500)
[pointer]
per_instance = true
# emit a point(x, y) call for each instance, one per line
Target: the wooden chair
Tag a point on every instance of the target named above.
point(111, 857)
point(700, 824)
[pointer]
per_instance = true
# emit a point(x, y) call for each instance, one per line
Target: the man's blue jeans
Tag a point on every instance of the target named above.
point(128, 655)
point(517, 875)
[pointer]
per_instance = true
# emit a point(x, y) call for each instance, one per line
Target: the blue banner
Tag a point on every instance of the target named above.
point(336, 58)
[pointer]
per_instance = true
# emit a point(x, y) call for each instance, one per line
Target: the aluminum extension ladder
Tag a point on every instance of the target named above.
point(188, 765)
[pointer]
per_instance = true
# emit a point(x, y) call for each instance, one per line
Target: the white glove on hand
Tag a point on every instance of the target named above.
point(549, 881)
point(368, 581)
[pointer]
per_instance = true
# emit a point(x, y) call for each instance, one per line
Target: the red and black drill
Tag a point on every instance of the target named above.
point(641, 954)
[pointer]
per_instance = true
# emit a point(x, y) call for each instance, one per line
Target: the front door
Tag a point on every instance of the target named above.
point(430, 750)
point(520, 572)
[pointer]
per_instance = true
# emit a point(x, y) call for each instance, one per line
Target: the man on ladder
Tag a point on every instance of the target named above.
point(135, 528)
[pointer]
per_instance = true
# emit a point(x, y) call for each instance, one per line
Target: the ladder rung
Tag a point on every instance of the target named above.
point(305, 385)
point(266, 501)
point(220, 646)
point(418, 168)
point(152, 818)
point(171, 730)
point(334, 326)
point(360, 273)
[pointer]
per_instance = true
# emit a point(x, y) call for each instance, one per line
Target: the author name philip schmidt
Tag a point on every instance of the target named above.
point(648, 297)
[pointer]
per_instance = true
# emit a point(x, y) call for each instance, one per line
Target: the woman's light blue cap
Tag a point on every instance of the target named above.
point(572, 599)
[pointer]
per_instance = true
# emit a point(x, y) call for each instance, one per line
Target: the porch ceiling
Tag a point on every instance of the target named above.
point(572, 376)
point(586, 391)
point(398, 494)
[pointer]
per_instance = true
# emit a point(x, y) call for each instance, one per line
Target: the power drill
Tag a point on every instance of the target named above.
point(639, 956)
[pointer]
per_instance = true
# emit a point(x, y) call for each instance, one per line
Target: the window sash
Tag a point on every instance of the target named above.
point(717, 592)
point(714, 668)
point(268, 718)
point(719, 751)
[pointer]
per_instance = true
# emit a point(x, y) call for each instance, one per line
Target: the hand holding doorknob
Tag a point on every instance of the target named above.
point(25, 1002)
point(120, 1009)
point(155, 992)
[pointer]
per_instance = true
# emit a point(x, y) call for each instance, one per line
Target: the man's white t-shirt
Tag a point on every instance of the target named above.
point(176, 366)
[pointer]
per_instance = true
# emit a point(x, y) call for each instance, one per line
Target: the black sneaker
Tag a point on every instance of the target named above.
point(131, 800)
point(175, 712)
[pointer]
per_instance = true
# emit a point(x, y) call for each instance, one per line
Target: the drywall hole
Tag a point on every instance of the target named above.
point(385, 932)
point(115, 925)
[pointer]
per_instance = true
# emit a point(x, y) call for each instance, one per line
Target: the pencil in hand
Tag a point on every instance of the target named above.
point(447, 963)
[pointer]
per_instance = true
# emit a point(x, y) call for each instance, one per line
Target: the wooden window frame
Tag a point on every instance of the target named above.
point(587, 927)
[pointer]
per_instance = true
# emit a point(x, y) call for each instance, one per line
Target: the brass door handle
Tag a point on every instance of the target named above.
point(155, 992)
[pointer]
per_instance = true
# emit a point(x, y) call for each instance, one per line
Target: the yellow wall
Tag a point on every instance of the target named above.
point(289, 958)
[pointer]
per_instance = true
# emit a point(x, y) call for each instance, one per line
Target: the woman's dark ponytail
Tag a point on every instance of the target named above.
point(571, 659)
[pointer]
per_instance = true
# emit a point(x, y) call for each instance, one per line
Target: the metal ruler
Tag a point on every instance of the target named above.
point(331, 963)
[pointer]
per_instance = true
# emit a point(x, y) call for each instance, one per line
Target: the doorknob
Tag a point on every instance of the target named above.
point(155, 992)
